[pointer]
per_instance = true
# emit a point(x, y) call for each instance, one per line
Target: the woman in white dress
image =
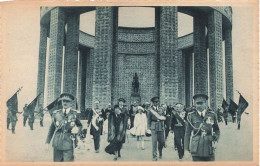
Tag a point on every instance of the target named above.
point(140, 125)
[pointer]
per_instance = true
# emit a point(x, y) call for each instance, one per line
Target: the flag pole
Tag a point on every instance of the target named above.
point(238, 92)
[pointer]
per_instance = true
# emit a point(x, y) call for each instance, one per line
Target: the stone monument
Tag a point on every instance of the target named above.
point(135, 94)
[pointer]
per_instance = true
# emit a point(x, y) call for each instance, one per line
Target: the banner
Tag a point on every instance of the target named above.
point(12, 103)
point(242, 104)
point(232, 107)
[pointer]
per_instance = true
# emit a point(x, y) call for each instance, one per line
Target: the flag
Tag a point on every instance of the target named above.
point(53, 106)
point(224, 104)
point(242, 104)
point(12, 103)
point(232, 107)
point(32, 105)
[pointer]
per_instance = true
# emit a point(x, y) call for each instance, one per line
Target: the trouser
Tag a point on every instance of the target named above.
point(226, 121)
point(179, 132)
point(157, 136)
point(41, 122)
point(96, 137)
point(24, 120)
point(31, 125)
point(63, 155)
point(167, 130)
point(8, 122)
point(209, 158)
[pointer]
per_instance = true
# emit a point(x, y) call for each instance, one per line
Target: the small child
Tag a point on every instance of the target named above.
point(140, 124)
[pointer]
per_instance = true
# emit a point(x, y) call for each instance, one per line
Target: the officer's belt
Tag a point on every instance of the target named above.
point(156, 120)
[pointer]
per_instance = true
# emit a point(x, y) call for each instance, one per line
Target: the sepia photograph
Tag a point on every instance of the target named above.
point(124, 83)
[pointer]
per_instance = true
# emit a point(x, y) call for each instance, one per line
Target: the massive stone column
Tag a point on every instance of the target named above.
point(228, 64)
point(200, 56)
point(189, 77)
point(114, 95)
point(181, 76)
point(57, 20)
point(215, 59)
point(102, 78)
point(82, 80)
point(168, 55)
point(89, 78)
point(71, 55)
point(42, 63)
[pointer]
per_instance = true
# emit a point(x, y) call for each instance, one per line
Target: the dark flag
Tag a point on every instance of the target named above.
point(53, 106)
point(12, 103)
point(32, 105)
point(242, 104)
point(224, 104)
point(232, 107)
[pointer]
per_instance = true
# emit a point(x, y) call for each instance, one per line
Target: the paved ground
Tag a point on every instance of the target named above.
point(27, 145)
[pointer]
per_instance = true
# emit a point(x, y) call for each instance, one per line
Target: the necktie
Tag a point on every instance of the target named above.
point(201, 115)
point(65, 113)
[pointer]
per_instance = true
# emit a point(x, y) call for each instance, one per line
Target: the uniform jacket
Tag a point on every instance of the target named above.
point(200, 143)
point(98, 123)
point(176, 122)
point(61, 129)
point(11, 115)
point(25, 112)
point(153, 122)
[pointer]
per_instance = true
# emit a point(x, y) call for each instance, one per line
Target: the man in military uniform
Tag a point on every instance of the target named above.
point(25, 114)
point(31, 119)
point(178, 127)
point(156, 120)
point(65, 126)
point(41, 112)
point(11, 118)
point(203, 124)
point(96, 118)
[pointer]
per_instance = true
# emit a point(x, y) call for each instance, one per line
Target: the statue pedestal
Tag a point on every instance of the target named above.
point(135, 97)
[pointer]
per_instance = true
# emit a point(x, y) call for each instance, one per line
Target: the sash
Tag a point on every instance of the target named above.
point(158, 116)
point(179, 119)
point(94, 119)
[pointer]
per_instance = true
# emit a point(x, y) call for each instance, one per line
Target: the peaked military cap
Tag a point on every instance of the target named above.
point(154, 98)
point(200, 97)
point(121, 99)
point(66, 96)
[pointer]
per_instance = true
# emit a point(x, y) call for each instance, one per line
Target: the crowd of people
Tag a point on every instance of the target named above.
point(196, 130)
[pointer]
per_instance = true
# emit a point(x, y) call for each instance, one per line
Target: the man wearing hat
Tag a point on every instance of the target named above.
point(155, 120)
point(203, 124)
point(117, 125)
point(65, 126)
point(178, 127)
point(96, 118)
point(25, 114)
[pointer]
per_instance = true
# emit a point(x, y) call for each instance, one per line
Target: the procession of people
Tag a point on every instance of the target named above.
point(196, 131)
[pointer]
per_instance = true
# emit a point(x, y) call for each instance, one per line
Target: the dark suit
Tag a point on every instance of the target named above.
point(96, 132)
point(178, 128)
point(200, 146)
point(61, 129)
point(25, 115)
point(157, 128)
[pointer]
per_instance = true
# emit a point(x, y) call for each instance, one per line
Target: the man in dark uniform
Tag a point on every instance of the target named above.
point(225, 115)
point(96, 118)
point(31, 119)
point(178, 127)
point(203, 124)
point(11, 118)
point(41, 112)
point(156, 120)
point(167, 123)
point(65, 126)
point(25, 114)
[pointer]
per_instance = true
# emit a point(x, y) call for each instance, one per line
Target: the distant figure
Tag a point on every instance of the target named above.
point(135, 84)
point(11, 118)
point(25, 114)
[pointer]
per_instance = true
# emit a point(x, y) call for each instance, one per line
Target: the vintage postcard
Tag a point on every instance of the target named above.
point(129, 82)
